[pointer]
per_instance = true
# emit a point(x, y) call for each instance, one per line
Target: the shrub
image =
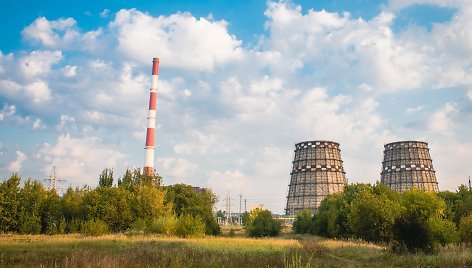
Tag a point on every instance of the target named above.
point(73, 226)
point(139, 226)
point(303, 224)
point(30, 225)
point(263, 225)
point(465, 229)
point(189, 226)
point(94, 228)
point(165, 225)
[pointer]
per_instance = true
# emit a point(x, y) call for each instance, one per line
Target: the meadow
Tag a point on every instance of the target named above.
point(121, 250)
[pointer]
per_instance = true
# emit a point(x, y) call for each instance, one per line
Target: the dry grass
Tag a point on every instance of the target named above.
point(158, 251)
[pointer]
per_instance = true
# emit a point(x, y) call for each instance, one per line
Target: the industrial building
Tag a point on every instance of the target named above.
point(408, 164)
point(317, 171)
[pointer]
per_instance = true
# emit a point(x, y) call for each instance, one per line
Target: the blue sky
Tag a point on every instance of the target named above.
point(240, 83)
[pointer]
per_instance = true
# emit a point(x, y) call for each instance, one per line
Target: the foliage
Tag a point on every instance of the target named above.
point(303, 224)
point(262, 224)
point(421, 226)
point(185, 200)
point(9, 204)
point(106, 178)
point(372, 216)
point(190, 226)
point(465, 229)
point(94, 228)
point(165, 225)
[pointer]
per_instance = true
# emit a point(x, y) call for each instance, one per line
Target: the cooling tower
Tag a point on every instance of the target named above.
point(407, 164)
point(317, 171)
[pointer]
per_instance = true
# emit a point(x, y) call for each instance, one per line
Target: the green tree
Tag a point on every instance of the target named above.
point(51, 213)
point(106, 178)
point(372, 216)
point(32, 197)
point(263, 224)
point(184, 199)
point(422, 225)
point(10, 204)
point(465, 230)
point(303, 224)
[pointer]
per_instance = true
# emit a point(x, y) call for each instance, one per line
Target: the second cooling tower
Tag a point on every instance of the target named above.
point(408, 164)
point(317, 171)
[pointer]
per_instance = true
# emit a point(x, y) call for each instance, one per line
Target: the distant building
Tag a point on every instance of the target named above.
point(408, 164)
point(317, 171)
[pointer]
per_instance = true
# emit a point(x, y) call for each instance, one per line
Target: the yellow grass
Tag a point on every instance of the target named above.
point(216, 243)
point(333, 244)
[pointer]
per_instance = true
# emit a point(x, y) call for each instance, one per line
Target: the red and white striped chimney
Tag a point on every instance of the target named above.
point(151, 122)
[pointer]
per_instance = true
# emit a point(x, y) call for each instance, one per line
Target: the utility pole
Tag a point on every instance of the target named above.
point(240, 205)
point(228, 209)
point(470, 188)
point(245, 200)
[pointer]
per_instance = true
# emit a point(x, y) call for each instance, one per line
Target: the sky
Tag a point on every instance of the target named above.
point(240, 82)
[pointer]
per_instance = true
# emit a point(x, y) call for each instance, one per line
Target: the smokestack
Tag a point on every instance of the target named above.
point(151, 122)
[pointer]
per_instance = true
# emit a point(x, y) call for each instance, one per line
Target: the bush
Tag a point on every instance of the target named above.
point(465, 229)
point(73, 226)
point(139, 226)
point(263, 225)
point(165, 225)
point(94, 228)
point(30, 225)
point(189, 226)
point(303, 224)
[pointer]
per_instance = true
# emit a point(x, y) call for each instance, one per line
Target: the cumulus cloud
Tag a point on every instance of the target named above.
point(17, 164)
point(170, 36)
point(442, 120)
point(8, 110)
point(79, 161)
point(69, 71)
point(179, 169)
point(39, 63)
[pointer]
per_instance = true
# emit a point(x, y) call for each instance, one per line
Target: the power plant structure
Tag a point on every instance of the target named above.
point(317, 171)
point(408, 164)
point(151, 122)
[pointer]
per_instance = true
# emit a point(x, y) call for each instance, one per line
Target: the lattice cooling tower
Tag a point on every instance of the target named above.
point(407, 164)
point(317, 171)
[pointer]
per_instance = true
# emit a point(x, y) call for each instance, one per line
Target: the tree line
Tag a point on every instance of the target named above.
point(411, 221)
point(136, 203)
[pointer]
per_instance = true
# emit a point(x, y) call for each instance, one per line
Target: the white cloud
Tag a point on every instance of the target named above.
point(79, 161)
point(69, 71)
point(176, 169)
point(38, 124)
point(414, 110)
point(39, 91)
point(104, 13)
point(39, 63)
point(50, 33)
point(17, 165)
point(169, 38)
point(469, 95)
point(442, 120)
point(8, 110)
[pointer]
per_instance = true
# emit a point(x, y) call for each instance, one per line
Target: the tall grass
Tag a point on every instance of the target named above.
point(161, 251)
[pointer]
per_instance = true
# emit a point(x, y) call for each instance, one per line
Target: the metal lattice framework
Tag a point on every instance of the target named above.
point(317, 171)
point(408, 164)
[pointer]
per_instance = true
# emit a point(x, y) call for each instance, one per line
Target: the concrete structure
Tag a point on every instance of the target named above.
point(151, 122)
point(408, 164)
point(317, 171)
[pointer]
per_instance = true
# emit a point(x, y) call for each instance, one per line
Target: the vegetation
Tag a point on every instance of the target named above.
point(409, 222)
point(159, 251)
point(137, 204)
point(260, 223)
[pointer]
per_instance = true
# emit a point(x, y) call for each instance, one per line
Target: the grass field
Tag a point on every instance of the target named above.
point(157, 251)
